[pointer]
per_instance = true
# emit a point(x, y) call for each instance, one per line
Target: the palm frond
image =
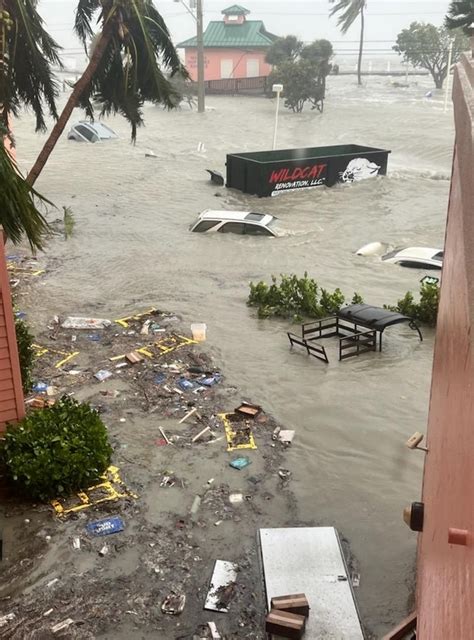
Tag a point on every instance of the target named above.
point(133, 67)
point(19, 213)
point(31, 52)
point(348, 10)
point(161, 39)
point(83, 22)
point(461, 16)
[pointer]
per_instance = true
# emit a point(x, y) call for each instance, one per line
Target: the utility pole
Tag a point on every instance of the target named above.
point(277, 88)
point(198, 17)
point(448, 77)
point(200, 57)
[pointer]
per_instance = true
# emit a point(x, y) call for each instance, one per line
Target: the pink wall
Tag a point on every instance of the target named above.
point(213, 67)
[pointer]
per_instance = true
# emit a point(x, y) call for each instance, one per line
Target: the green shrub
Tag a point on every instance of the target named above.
point(295, 298)
point(26, 354)
point(357, 299)
point(426, 310)
point(55, 451)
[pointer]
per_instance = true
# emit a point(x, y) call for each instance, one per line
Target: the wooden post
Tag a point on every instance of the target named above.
point(401, 630)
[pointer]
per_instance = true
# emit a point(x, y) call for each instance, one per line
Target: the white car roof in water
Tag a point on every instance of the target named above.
point(421, 253)
point(101, 130)
point(237, 216)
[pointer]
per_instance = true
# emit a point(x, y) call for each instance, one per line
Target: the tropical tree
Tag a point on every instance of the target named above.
point(427, 47)
point(283, 50)
point(319, 53)
point(126, 68)
point(19, 214)
point(349, 11)
point(27, 52)
point(304, 76)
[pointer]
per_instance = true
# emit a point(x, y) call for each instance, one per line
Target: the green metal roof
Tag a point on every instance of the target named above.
point(236, 10)
point(251, 33)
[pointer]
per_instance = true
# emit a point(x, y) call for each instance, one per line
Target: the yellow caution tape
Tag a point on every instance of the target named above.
point(160, 348)
point(231, 435)
point(124, 321)
point(66, 355)
point(72, 355)
point(113, 487)
point(39, 351)
point(11, 266)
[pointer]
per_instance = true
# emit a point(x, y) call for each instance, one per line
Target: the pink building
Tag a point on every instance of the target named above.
point(234, 47)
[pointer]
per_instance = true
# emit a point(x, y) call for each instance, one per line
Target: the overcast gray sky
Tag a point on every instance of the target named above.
point(307, 19)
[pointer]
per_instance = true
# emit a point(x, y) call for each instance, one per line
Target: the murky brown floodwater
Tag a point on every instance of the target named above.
point(132, 249)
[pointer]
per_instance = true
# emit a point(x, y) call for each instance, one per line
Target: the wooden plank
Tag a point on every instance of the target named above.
point(5, 362)
point(309, 560)
point(6, 385)
point(8, 416)
point(316, 352)
point(7, 405)
point(360, 343)
point(12, 351)
point(6, 395)
point(5, 374)
point(402, 629)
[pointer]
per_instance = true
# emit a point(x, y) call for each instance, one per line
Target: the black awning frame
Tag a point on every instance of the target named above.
point(376, 318)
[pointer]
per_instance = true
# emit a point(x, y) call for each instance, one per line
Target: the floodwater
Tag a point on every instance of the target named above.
point(132, 249)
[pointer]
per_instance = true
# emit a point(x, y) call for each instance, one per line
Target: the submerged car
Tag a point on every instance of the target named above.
point(241, 222)
point(91, 132)
point(417, 257)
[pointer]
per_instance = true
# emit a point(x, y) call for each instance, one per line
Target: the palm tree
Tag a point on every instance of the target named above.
point(19, 214)
point(349, 10)
point(26, 54)
point(461, 15)
point(125, 66)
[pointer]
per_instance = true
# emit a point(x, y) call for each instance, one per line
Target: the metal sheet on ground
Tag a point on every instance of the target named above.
point(223, 577)
point(309, 560)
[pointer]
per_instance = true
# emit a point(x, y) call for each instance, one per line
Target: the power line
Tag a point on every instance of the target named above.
point(311, 13)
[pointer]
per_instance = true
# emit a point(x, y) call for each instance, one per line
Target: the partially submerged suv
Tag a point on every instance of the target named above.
point(417, 257)
point(242, 222)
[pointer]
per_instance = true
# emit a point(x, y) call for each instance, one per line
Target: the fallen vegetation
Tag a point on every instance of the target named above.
point(298, 298)
point(426, 309)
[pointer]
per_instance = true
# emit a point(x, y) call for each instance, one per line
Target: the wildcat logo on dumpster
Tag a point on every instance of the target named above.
point(298, 177)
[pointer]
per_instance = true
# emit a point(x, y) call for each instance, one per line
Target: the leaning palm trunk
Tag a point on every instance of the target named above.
point(3, 59)
point(79, 88)
point(361, 46)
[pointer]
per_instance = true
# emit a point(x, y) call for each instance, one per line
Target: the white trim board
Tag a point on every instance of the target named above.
point(309, 560)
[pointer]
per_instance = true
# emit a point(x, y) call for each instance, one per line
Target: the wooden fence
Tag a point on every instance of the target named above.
point(237, 86)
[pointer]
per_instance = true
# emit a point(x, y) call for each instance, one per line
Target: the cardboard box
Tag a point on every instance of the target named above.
point(285, 624)
point(249, 410)
point(296, 603)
